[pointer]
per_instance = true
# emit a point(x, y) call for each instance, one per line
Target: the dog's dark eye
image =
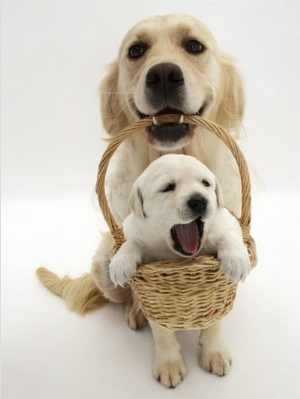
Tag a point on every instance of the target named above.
point(137, 50)
point(205, 183)
point(169, 187)
point(194, 47)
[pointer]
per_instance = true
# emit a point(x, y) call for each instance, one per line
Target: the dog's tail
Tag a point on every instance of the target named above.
point(81, 294)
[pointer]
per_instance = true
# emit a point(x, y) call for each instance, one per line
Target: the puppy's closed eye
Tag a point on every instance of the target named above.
point(169, 187)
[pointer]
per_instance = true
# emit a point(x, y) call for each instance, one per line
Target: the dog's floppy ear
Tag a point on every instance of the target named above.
point(230, 105)
point(135, 201)
point(113, 118)
point(219, 195)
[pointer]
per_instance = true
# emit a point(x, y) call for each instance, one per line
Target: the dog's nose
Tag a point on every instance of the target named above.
point(198, 204)
point(164, 77)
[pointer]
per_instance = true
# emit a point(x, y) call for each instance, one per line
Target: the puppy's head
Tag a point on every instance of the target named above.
point(171, 64)
point(175, 196)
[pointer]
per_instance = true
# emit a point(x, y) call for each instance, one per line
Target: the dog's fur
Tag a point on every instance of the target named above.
point(177, 193)
point(176, 190)
point(211, 85)
point(166, 64)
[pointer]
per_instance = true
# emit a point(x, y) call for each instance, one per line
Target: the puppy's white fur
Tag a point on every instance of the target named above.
point(155, 211)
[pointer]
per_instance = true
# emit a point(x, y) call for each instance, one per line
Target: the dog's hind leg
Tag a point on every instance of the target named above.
point(100, 274)
point(133, 314)
point(214, 356)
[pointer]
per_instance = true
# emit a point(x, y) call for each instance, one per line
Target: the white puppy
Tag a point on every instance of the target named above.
point(178, 211)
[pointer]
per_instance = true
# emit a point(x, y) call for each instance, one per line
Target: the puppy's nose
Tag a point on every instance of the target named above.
point(197, 204)
point(164, 76)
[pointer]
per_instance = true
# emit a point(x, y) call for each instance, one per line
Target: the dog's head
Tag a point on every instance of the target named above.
point(171, 64)
point(176, 195)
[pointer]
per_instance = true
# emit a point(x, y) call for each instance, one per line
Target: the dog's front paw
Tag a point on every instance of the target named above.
point(122, 268)
point(170, 373)
point(217, 362)
point(235, 264)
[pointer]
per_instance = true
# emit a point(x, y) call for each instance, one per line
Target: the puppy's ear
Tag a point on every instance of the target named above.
point(230, 105)
point(135, 201)
point(113, 118)
point(219, 195)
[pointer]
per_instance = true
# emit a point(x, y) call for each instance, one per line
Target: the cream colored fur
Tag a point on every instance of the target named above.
point(210, 77)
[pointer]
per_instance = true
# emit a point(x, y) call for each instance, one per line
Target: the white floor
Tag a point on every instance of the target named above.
point(53, 56)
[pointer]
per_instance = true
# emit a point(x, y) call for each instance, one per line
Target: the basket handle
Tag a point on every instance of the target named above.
point(116, 231)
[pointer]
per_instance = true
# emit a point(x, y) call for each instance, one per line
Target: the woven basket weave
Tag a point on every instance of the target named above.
point(185, 293)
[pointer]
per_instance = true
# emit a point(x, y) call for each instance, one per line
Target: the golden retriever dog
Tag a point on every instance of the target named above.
point(167, 64)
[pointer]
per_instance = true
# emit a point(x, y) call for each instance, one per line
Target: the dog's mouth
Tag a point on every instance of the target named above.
point(187, 237)
point(170, 135)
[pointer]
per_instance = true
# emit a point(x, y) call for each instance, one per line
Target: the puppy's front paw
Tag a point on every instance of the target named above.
point(122, 268)
point(235, 264)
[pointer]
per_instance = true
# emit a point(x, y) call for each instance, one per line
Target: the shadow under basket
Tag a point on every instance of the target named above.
point(183, 294)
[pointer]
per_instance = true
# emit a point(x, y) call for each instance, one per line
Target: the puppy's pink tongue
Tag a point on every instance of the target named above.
point(188, 237)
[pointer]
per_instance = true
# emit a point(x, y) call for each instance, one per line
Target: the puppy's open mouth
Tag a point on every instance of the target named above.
point(187, 237)
point(168, 135)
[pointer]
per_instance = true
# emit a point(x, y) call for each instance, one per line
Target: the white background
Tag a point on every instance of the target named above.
point(54, 55)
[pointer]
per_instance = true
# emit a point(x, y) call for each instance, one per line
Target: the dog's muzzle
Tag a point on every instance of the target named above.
point(166, 92)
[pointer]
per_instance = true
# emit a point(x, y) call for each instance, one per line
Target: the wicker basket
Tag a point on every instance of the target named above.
point(185, 293)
